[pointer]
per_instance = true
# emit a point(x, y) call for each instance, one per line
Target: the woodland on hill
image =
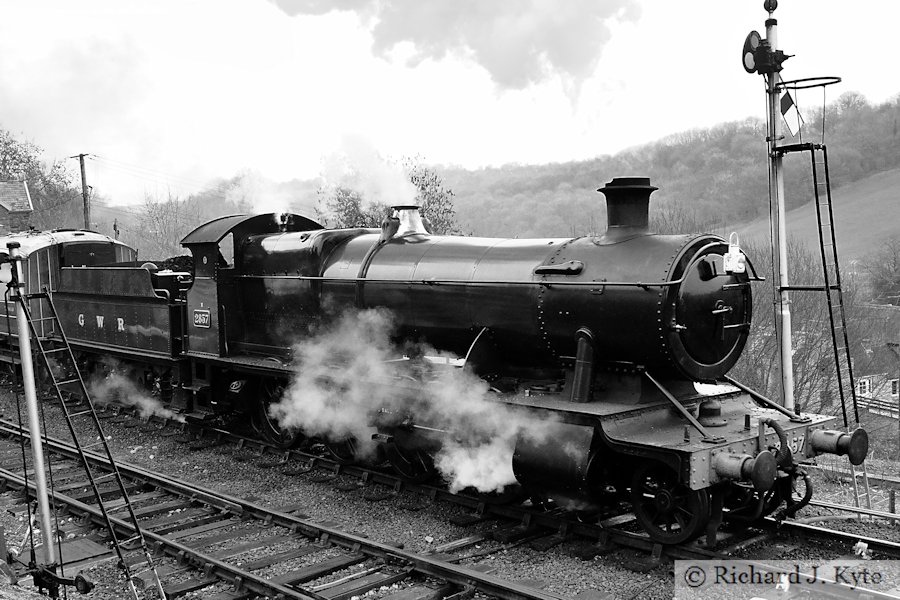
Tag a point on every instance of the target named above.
point(709, 179)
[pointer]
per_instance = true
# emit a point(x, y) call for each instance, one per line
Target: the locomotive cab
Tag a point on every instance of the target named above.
point(214, 324)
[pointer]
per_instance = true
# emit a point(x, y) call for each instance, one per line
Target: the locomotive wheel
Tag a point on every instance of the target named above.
point(669, 511)
point(269, 427)
point(412, 464)
point(510, 494)
point(344, 451)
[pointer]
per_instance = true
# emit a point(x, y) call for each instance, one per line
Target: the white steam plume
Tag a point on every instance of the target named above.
point(118, 388)
point(255, 193)
point(484, 432)
point(327, 396)
point(348, 372)
point(357, 165)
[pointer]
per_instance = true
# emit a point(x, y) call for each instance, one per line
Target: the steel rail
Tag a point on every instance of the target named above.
point(434, 567)
point(887, 546)
point(548, 521)
point(881, 514)
point(238, 577)
point(516, 514)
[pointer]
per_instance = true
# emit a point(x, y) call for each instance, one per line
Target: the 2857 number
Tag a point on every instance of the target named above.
point(201, 318)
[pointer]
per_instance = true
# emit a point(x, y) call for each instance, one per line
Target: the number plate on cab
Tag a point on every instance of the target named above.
point(201, 318)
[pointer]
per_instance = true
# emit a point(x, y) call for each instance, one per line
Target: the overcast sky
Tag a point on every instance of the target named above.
point(172, 93)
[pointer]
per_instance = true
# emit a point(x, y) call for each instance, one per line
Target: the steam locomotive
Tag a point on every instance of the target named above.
point(604, 337)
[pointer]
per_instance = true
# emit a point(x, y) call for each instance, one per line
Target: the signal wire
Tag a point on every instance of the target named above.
point(160, 177)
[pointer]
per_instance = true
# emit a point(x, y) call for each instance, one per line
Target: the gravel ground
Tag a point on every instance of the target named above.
point(406, 522)
point(387, 521)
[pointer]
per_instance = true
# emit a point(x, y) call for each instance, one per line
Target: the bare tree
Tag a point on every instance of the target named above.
point(163, 224)
point(435, 199)
point(883, 269)
point(346, 207)
point(57, 201)
point(815, 374)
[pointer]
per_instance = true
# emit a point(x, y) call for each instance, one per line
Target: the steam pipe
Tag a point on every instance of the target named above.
point(583, 379)
point(784, 457)
point(791, 510)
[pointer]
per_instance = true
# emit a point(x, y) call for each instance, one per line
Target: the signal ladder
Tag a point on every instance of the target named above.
point(834, 298)
point(65, 378)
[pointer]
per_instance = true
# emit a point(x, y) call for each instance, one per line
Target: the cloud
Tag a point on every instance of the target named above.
point(87, 91)
point(518, 43)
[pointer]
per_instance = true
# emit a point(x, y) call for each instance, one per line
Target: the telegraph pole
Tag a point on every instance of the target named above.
point(84, 192)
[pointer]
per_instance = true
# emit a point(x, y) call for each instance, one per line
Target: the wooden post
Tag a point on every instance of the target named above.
point(892, 500)
point(84, 194)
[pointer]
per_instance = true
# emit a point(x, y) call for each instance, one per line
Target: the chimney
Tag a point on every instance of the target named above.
point(411, 223)
point(628, 203)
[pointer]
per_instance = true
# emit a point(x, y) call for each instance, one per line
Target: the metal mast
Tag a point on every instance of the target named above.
point(763, 56)
point(777, 218)
point(17, 288)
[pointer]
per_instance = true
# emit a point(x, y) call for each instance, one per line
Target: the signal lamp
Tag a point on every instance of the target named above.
point(751, 44)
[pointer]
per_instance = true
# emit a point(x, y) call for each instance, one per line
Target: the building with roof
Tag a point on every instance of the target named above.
point(15, 206)
point(878, 379)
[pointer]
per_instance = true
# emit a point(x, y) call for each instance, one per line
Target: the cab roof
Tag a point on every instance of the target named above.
point(215, 230)
point(31, 241)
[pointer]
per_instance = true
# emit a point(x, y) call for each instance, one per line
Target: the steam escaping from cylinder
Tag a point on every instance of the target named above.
point(351, 375)
point(335, 388)
point(114, 385)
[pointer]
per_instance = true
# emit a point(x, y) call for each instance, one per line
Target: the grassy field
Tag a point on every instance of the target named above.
point(865, 213)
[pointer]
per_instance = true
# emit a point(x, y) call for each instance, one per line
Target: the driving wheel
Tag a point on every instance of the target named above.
point(343, 451)
point(415, 465)
point(668, 510)
point(268, 426)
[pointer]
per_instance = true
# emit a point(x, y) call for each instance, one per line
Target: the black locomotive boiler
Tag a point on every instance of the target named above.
point(604, 335)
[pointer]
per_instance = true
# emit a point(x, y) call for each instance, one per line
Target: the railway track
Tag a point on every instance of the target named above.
point(544, 526)
point(201, 533)
point(542, 529)
point(602, 531)
point(189, 524)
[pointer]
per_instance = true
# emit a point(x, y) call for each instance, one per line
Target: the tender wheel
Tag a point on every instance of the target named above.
point(412, 464)
point(669, 511)
point(269, 427)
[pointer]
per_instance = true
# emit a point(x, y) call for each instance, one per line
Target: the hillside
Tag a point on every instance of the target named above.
point(710, 180)
point(865, 213)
